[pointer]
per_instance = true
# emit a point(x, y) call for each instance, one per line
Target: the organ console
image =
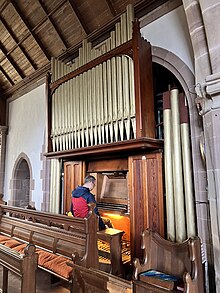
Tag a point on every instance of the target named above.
point(101, 121)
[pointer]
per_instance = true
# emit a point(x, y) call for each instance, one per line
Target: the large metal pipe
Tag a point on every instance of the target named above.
point(177, 169)
point(55, 186)
point(109, 93)
point(168, 163)
point(187, 168)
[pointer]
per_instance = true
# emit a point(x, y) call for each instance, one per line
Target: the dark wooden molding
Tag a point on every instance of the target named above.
point(2, 111)
point(111, 149)
point(143, 79)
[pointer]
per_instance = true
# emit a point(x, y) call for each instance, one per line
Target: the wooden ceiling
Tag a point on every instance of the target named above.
point(33, 31)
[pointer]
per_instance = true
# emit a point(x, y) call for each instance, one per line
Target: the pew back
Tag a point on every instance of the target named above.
point(80, 242)
point(91, 280)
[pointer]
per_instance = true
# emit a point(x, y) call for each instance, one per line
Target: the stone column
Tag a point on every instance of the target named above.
point(211, 121)
point(3, 133)
point(210, 13)
point(199, 43)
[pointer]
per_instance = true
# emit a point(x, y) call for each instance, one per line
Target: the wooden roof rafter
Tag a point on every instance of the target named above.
point(17, 41)
point(37, 26)
point(11, 60)
point(79, 17)
point(38, 41)
point(111, 8)
point(6, 75)
point(53, 24)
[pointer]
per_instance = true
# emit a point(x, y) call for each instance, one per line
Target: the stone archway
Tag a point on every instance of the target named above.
point(22, 183)
point(186, 78)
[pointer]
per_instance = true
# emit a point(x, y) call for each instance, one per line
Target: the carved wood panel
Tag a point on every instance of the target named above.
point(73, 176)
point(146, 197)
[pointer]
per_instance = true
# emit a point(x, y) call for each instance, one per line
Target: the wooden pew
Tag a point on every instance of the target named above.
point(23, 265)
point(178, 259)
point(55, 245)
point(91, 280)
point(112, 236)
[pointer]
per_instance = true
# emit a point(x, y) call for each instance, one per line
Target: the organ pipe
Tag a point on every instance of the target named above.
point(97, 106)
point(187, 170)
point(177, 167)
point(55, 186)
point(168, 162)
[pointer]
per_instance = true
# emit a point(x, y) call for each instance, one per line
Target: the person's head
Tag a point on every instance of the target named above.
point(89, 182)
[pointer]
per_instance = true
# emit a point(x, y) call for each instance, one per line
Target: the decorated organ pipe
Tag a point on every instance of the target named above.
point(96, 106)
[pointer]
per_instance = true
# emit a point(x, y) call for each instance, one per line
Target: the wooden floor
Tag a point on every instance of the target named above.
point(43, 283)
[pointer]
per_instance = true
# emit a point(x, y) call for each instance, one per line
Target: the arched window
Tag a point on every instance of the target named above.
point(21, 191)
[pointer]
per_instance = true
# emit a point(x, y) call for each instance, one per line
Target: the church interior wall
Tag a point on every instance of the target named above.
point(171, 33)
point(26, 136)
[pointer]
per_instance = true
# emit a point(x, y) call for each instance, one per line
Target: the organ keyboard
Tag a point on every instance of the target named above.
point(105, 257)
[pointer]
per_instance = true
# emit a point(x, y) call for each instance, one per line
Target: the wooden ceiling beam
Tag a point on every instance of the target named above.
point(10, 31)
point(6, 75)
point(38, 41)
point(55, 8)
point(37, 26)
point(143, 7)
point(111, 8)
point(53, 24)
point(79, 16)
point(11, 60)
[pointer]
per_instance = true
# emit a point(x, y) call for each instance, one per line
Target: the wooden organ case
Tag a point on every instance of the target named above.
point(120, 151)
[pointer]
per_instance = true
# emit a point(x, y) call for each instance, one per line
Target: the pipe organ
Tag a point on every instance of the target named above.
point(96, 106)
point(101, 121)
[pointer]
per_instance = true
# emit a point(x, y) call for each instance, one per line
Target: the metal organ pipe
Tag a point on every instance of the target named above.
point(97, 106)
point(187, 170)
point(177, 168)
point(168, 162)
point(55, 186)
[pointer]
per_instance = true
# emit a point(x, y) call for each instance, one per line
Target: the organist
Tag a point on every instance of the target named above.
point(81, 197)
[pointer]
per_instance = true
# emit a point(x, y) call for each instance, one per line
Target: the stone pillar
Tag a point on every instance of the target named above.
point(210, 13)
point(211, 121)
point(199, 43)
point(3, 133)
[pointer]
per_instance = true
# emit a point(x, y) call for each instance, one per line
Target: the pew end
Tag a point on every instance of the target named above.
point(182, 260)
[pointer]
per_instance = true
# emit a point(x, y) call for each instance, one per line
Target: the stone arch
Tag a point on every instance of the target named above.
point(181, 71)
point(187, 80)
point(22, 182)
